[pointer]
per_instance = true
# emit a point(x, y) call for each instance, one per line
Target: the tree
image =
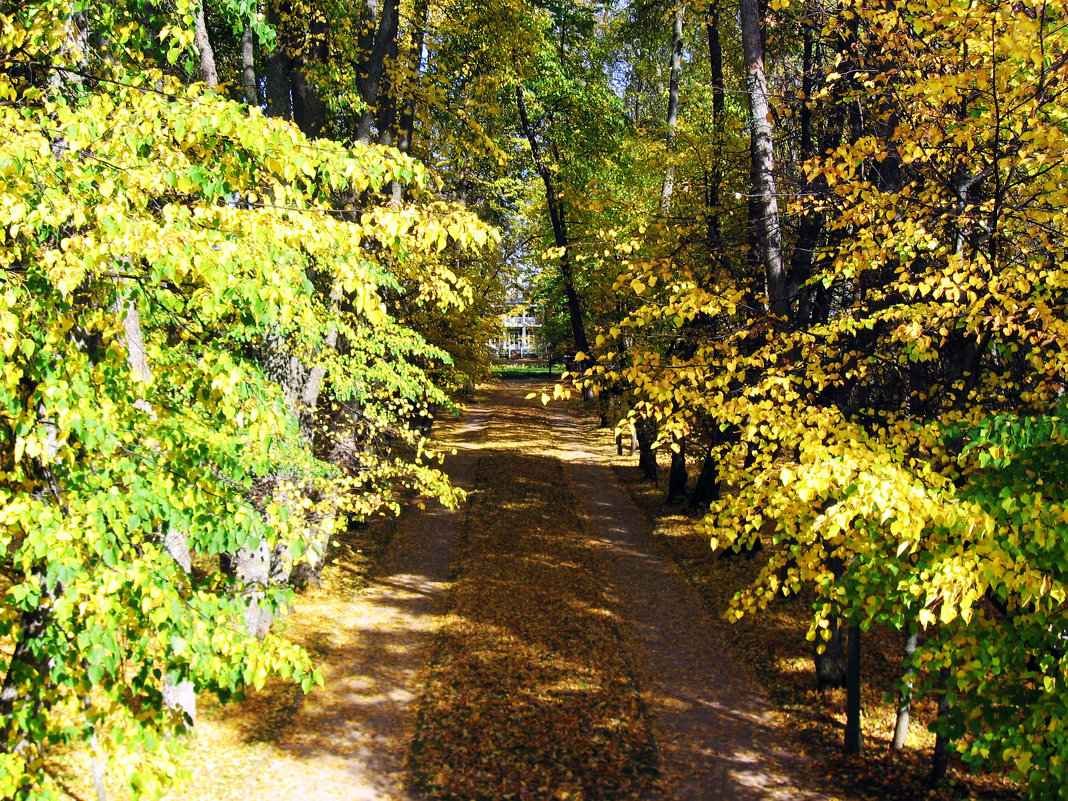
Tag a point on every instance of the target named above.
point(851, 378)
point(140, 206)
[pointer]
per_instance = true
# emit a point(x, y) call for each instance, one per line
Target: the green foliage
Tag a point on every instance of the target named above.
point(892, 434)
point(139, 208)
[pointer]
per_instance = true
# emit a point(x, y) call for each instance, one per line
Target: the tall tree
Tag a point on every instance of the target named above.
point(166, 239)
point(763, 154)
point(558, 220)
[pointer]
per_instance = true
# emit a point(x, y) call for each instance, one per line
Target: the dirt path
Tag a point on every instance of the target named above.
point(568, 659)
point(561, 584)
point(349, 740)
point(714, 731)
point(530, 694)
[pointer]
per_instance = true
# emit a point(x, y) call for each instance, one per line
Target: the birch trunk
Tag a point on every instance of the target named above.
point(208, 73)
point(177, 694)
point(248, 68)
point(763, 158)
point(668, 186)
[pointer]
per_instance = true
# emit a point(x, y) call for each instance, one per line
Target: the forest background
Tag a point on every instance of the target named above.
point(249, 248)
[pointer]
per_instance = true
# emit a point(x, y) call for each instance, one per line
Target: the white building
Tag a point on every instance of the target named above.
point(520, 332)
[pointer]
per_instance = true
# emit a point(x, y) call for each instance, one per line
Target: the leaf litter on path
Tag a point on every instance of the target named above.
point(531, 693)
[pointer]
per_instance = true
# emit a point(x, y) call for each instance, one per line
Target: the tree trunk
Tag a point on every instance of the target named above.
point(25, 666)
point(940, 756)
point(387, 95)
point(904, 697)
point(854, 738)
point(178, 694)
point(251, 568)
point(309, 111)
point(415, 66)
point(301, 96)
point(763, 158)
point(371, 71)
point(831, 662)
point(406, 126)
point(208, 73)
point(677, 476)
point(707, 488)
point(668, 186)
point(556, 217)
point(313, 386)
point(279, 84)
point(248, 69)
point(646, 431)
point(97, 767)
point(714, 179)
point(257, 568)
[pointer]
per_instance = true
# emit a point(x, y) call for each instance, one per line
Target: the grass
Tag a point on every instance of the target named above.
point(507, 370)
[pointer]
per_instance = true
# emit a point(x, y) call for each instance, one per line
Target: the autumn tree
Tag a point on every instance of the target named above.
point(163, 245)
point(895, 345)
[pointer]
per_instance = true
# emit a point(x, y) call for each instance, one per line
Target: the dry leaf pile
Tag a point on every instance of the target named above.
point(530, 695)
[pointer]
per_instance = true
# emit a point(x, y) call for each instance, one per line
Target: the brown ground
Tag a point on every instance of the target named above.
point(568, 659)
point(348, 740)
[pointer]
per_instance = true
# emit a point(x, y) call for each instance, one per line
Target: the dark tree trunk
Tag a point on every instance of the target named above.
point(714, 179)
point(677, 476)
point(940, 756)
point(279, 84)
point(415, 63)
point(646, 431)
point(309, 111)
point(278, 81)
point(854, 738)
point(387, 95)
point(406, 125)
point(831, 663)
point(811, 224)
point(559, 224)
point(372, 71)
point(24, 665)
point(715, 63)
point(706, 491)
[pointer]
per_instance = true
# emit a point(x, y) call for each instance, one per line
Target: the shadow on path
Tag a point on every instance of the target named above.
point(348, 741)
point(715, 736)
